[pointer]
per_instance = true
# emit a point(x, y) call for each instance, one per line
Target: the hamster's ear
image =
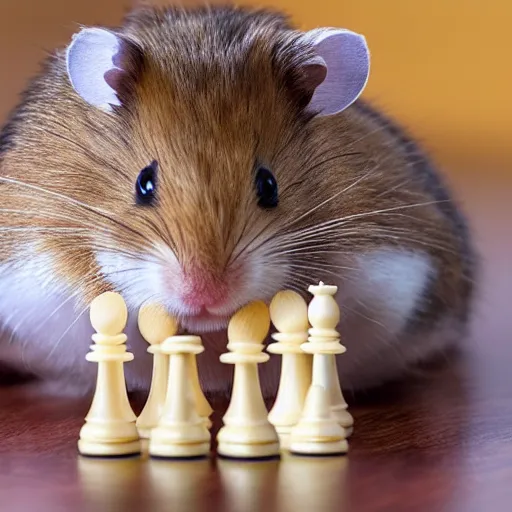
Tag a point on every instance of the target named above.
point(99, 63)
point(338, 73)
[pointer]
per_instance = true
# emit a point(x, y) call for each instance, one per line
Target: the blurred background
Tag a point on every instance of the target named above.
point(440, 67)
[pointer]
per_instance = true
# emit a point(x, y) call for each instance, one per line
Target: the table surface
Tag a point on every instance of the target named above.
point(441, 442)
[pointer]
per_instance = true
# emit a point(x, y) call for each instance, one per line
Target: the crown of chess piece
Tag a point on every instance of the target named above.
point(181, 432)
point(109, 429)
point(155, 325)
point(247, 433)
point(324, 340)
point(289, 314)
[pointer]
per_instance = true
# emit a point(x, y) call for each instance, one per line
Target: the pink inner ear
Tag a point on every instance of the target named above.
point(113, 77)
point(315, 73)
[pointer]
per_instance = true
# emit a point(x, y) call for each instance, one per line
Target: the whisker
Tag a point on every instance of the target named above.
point(334, 196)
point(343, 220)
point(71, 325)
point(93, 209)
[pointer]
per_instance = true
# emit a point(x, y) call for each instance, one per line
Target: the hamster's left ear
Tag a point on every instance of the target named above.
point(338, 73)
point(102, 67)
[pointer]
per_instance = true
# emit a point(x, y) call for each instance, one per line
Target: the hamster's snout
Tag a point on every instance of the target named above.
point(205, 298)
point(201, 290)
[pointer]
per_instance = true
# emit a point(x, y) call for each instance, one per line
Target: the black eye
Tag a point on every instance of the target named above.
point(145, 188)
point(266, 188)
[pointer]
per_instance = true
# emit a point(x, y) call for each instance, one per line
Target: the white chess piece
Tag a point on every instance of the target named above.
point(155, 325)
point(324, 340)
point(247, 433)
point(203, 407)
point(317, 432)
point(323, 424)
point(289, 314)
point(181, 432)
point(109, 429)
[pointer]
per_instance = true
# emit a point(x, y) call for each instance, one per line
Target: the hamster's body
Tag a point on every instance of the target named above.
point(213, 95)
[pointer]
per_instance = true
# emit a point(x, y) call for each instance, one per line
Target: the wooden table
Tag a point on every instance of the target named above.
point(440, 442)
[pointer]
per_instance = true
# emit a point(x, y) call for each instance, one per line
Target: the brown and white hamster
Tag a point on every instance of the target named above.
point(204, 158)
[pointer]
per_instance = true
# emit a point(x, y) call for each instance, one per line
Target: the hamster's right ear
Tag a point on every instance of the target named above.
point(101, 67)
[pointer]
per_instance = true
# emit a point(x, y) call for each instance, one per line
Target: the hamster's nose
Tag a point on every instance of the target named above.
point(202, 291)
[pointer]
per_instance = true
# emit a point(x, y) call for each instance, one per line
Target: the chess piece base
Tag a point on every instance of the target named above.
point(173, 442)
point(248, 451)
point(247, 441)
point(178, 451)
point(108, 449)
point(318, 448)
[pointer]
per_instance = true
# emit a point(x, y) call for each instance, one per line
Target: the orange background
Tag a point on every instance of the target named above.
point(441, 67)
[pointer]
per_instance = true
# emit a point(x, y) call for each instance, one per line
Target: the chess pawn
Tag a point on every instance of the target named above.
point(247, 433)
point(289, 314)
point(324, 342)
point(155, 325)
point(181, 432)
point(109, 429)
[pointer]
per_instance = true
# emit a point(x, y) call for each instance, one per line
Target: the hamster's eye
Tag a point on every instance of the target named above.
point(266, 188)
point(145, 188)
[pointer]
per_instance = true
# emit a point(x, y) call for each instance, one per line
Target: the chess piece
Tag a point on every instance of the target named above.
point(323, 423)
point(203, 407)
point(324, 341)
point(109, 429)
point(247, 433)
point(155, 325)
point(181, 432)
point(317, 432)
point(289, 314)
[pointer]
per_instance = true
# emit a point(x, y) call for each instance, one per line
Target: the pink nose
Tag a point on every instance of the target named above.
point(200, 291)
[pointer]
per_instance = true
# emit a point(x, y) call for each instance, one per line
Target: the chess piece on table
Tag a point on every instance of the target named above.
point(180, 432)
point(109, 429)
point(317, 432)
point(324, 340)
point(289, 314)
point(155, 325)
point(203, 407)
point(247, 433)
point(322, 426)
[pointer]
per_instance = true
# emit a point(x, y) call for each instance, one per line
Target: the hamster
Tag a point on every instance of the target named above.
point(206, 157)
